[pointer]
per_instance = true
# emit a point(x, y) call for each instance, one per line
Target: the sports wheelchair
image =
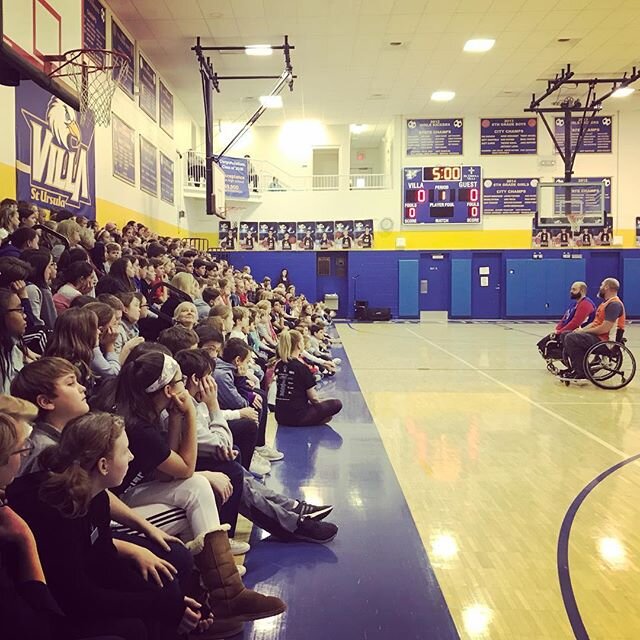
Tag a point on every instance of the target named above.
point(608, 364)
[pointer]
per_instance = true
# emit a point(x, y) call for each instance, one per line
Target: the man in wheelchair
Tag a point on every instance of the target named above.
point(580, 313)
point(609, 314)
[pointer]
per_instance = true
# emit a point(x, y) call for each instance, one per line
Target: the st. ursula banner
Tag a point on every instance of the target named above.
point(55, 154)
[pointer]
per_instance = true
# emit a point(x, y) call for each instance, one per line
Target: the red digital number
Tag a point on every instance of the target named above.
point(422, 195)
point(411, 213)
point(474, 195)
point(474, 212)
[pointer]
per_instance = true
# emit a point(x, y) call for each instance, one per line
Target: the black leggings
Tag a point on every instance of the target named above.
point(316, 414)
point(228, 511)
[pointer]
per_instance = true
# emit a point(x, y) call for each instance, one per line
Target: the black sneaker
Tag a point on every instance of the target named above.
point(306, 510)
point(313, 531)
point(572, 375)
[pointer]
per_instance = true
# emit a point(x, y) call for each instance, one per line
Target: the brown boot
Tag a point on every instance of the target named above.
point(228, 597)
point(219, 630)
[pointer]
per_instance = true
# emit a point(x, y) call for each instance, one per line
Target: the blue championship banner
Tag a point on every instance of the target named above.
point(55, 154)
point(94, 25)
point(236, 177)
point(147, 80)
point(123, 153)
point(166, 109)
point(508, 136)
point(122, 44)
point(501, 196)
point(166, 179)
point(597, 137)
point(434, 137)
point(591, 194)
point(148, 167)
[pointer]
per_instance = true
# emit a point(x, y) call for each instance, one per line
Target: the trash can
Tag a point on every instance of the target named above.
point(331, 301)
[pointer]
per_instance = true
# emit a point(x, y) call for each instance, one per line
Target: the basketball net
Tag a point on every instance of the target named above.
point(94, 74)
point(575, 221)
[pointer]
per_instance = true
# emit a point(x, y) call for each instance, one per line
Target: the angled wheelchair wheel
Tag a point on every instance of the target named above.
point(609, 365)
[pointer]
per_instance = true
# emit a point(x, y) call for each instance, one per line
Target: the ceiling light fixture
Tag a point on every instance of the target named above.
point(479, 45)
point(443, 96)
point(258, 50)
point(357, 128)
point(271, 102)
point(622, 92)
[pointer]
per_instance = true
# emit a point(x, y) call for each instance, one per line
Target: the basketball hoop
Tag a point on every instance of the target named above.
point(94, 72)
point(575, 221)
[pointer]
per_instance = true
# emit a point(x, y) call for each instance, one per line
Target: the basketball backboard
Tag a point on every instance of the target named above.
point(32, 29)
point(561, 203)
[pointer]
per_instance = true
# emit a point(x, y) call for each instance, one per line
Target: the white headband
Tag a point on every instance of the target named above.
point(169, 369)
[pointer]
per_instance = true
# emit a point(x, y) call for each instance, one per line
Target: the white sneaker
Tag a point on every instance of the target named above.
point(337, 361)
point(270, 453)
point(241, 569)
point(238, 548)
point(259, 466)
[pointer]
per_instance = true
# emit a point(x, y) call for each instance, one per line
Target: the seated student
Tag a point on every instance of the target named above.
point(148, 385)
point(285, 518)
point(43, 272)
point(580, 313)
point(134, 307)
point(224, 312)
point(230, 368)
point(27, 608)
point(20, 240)
point(297, 402)
point(79, 279)
point(210, 339)
point(609, 314)
point(211, 297)
point(178, 338)
point(89, 577)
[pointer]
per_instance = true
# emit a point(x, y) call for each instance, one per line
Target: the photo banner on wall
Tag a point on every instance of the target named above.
point(637, 232)
point(562, 237)
point(248, 235)
point(55, 154)
point(236, 176)
point(297, 236)
point(508, 136)
point(286, 236)
point(123, 153)
point(509, 196)
point(344, 234)
point(597, 135)
point(434, 137)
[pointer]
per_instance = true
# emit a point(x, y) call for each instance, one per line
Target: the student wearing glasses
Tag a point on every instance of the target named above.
point(13, 324)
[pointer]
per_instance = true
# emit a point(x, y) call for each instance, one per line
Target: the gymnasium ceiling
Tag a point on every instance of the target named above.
point(348, 71)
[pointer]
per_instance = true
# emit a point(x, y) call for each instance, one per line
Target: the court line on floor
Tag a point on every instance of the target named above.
point(564, 575)
point(517, 393)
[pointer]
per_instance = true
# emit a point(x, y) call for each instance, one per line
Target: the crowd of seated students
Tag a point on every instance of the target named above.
point(137, 377)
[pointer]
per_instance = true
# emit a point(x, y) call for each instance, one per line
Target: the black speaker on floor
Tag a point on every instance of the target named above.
point(379, 313)
point(361, 307)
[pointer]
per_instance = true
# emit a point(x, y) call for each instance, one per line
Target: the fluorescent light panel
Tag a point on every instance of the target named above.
point(622, 92)
point(443, 96)
point(357, 128)
point(271, 102)
point(258, 50)
point(479, 45)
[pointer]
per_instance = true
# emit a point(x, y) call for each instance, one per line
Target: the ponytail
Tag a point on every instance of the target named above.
point(288, 342)
point(84, 441)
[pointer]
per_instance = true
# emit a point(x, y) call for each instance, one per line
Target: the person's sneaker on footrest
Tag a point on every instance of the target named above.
point(572, 375)
point(313, 531)
point(306, 510)
point(259, 466)
point(270, 453)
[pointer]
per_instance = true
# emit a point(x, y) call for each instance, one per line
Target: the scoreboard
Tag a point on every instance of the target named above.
point(442, 195)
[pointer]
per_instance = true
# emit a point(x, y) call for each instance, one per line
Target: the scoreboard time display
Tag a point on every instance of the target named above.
point(442, 195)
